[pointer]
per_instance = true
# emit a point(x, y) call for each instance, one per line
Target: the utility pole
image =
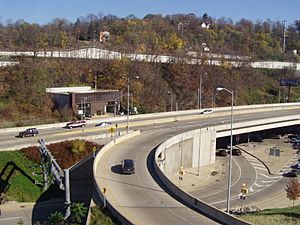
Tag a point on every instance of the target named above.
point(284, 35)
point(95, 82)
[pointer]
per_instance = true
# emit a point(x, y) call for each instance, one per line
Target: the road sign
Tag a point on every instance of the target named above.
point(244, 189)
point(104, 190)
point(94, 148)
point(111, 130)
point(181, 171)
point(274, 151)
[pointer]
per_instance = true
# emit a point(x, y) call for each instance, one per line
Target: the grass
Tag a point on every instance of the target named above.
point(101, 216)
point(16, 178)
point(280, 216)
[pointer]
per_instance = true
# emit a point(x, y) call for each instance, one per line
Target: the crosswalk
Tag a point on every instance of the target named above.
point(287, 167)
point(263, 178)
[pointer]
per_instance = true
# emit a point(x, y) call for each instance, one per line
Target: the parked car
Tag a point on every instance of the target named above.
point(296, 171)
point(294, 140)
point(207, 111)
point(80, 123)
point(296, 166)
point(236, 151)
point(29, 132)
point(103, 124)
point(128, 166)
point(256, 138)
point(290, 174)
point(221, 152)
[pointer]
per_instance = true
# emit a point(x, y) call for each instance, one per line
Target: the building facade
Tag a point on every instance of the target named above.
point(84, 100)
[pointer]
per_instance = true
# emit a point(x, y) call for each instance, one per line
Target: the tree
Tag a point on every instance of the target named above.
point(293, 189)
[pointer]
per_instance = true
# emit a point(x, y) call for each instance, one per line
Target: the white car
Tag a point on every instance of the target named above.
point(207, 111)
point(103, 124)
point(73, 124)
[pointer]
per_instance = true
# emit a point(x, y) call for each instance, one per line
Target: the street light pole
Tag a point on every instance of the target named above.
point(171, 93)
point(200, 92)
point(127, 104)
point(230, 155)
point(128, 100)
point(283, 47)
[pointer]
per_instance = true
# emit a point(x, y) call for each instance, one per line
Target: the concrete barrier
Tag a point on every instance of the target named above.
point(156, 118)
point(190, 200)
point(99, 188)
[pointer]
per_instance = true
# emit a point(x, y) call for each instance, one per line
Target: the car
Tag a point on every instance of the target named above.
point(221, 152)
point(236, 151)
point(290, 174)
point(296, 146)
point(296, 166)
point(103, 124)
point(128, 166)
point(296, 171)
point(80, 123)
point(207, 111)
point(256, 138)
point(294, 140)
point(29, 132)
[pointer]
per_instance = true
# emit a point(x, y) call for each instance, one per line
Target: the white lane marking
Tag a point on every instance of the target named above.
point(258, 165)
point(264, 175)
point(11, 218)
point(258, 185)
point(269, 181)
point(259, 168)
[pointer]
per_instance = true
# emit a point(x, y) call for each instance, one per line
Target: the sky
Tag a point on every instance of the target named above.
point(45, 11)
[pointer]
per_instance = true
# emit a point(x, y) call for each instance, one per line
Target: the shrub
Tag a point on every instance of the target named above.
point(78, 147)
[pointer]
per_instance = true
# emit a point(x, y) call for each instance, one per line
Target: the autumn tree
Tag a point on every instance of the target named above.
point(293, 189)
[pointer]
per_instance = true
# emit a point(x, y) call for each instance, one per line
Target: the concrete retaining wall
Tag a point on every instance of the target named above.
point(164, 167)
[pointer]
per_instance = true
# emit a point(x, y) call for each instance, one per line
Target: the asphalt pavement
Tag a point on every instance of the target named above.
point(275, 164)
point(12, 213)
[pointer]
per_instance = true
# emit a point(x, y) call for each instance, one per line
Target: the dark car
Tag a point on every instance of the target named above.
point(29, 132)
point(128, 166)
point(221, 152)
point(290, 174)
point(236, 151)
point(256, 138)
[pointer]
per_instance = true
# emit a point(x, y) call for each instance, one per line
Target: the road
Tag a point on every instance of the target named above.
point(142, 200)
point(139, 196)
point(10, 140)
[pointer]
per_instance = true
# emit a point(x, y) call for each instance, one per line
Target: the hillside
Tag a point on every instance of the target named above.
point(22, 88)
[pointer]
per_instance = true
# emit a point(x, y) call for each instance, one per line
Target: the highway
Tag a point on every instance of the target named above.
point(141, 197)
point(143, 200)
point(11, 141)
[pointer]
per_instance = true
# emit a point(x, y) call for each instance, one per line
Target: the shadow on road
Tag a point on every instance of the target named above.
point(81, 185)
point(117, 169)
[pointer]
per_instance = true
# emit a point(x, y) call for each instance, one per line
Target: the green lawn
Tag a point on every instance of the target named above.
point(284, 216)
point(16, 177)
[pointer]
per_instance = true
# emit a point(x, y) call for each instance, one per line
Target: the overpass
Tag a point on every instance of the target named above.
point(192, 149)
point(210, 58)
